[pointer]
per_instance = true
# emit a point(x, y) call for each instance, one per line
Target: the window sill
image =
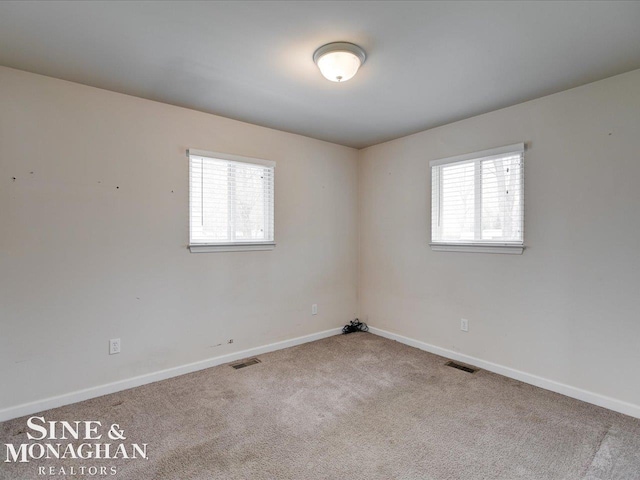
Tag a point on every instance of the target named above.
point(477, 248)
point(235, 247)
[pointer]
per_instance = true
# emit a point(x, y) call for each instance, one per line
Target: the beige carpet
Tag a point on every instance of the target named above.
point(351, 407)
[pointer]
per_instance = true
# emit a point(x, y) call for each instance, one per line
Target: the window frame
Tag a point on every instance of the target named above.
point(515, 248)
point(202, 247)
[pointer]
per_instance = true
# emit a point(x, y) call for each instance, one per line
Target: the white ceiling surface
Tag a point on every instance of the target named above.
point(429, 63)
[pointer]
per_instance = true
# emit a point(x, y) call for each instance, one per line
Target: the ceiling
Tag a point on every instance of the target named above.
point(429, 63)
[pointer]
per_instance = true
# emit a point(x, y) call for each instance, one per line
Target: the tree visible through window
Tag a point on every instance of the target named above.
point(478, 198)
point(231, 200)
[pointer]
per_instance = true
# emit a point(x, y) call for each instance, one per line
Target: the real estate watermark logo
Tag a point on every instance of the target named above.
point(85, 440)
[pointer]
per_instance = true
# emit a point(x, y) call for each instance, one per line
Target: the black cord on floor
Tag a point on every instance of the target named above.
point(355, 326)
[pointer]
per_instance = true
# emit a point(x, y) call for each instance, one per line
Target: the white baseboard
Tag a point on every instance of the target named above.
point(93, 392)
point(98, 391)
point(573, 392)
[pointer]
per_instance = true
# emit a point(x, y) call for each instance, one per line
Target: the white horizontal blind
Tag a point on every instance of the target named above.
point(231, 201)
point(479, 199)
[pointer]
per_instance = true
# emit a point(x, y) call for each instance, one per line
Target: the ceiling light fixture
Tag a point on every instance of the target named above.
point(339, 61)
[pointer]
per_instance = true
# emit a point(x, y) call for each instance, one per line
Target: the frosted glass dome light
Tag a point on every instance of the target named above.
point(339, 61)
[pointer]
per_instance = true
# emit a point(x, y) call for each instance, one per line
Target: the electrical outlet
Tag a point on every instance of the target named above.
point(314, 309)
point(464, 324)
point(114, 346)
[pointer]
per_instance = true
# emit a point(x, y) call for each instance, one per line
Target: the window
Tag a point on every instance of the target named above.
point(230, 202)
point(477, 201)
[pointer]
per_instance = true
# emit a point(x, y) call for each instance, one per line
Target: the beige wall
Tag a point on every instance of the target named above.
point(83, 261)
point(568, 309)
